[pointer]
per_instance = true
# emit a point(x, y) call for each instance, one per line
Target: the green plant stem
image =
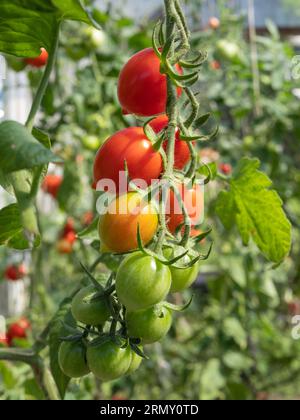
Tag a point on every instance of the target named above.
point(44, 82)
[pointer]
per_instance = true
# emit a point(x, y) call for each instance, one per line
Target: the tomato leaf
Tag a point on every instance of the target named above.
point(58, 330)
point(28, 25)
point(71, 188)
point(11, 229)
point(20, 150)
point(256, 210)
point(209, 170)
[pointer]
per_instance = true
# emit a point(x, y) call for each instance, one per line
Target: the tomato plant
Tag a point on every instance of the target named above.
point(182, 151)
point(72, 359)
point(142, 88)
point(108, 360)
point(182, 278)
point(192, 197)
point(150, 325)
point(133, 147)
point(39, 61)
point(142, 281)
point(119, 224)
point(124, 263)
point(87, 310)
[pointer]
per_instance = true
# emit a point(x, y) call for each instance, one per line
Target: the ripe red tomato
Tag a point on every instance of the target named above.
point(182, 151)
point(70, 237)
point(18, 329)
point(51, 184)
point(64, 246)
point(69, 226)
point(39, 61)
point(214, 23)
point(14, 273)
point(132, 145)
point(193, 199)
point(215, 65)
point(226, 168)
point(142, 89)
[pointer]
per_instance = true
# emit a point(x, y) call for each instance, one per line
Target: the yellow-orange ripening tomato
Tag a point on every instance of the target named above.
point(119, 225)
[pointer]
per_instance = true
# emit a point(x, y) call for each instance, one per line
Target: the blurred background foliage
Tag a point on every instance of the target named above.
point(234, 342)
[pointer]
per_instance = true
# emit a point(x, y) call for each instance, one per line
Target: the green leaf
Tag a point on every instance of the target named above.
point(203, 170)
point(20, 150)
point(211, 380)
point(71, 187)
point(256, 210)
point(58, 330)
point(237, 361)
point(11, 229)
point(28, 25)
point(234, 329)
point(90, 232)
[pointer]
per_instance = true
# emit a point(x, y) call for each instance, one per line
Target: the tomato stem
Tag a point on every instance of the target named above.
point(44, 82)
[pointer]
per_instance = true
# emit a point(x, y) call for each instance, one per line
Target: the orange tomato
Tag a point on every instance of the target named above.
point(118, 226)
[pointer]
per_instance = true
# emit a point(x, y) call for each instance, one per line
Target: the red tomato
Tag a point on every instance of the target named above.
point(226, 168)
point(132, 145)
point(14, 273)
point(69, 226)
point(182, 151)
point(193, 199)
point(87, 218)
point(51, 184)
point(215, 65)
point(18, 329)
point(70, 237)
point(142, 89)
point(214, 23)
point(64, 246)
point(39, 61)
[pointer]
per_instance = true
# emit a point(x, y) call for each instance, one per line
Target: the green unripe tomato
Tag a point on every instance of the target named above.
point(136, 361)
point(72, 359)
point(95, 37)
point(91, 142)
point(142, 281)
point(150, 325)
point(181, 278)
point(229, 50)
point(90, 312)
point(108, 361)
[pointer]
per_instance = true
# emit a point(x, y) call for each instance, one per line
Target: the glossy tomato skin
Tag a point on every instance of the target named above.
point(193, 199)
point(142, 89)
point(130, 145)
point(51, 184)
point(181, 278)
point(39, 61)
point(150, 325)
point(72, 359)
point(108, 361)
point(136, 361)
point(142, 281)
point(182, 152)
point(118, 226)
point(94, 312)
